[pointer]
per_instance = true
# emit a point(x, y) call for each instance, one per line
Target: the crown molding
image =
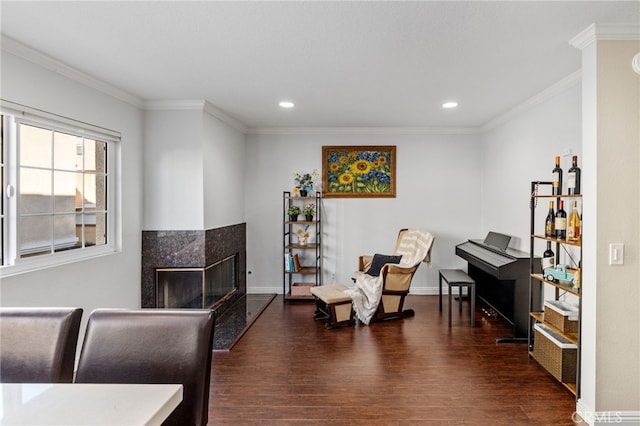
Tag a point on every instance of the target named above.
point(27, 53)
point(195, 105)
point(224, 117)
point(174, 105)
point(363, 131)
point(548, 93)
point(594, 33)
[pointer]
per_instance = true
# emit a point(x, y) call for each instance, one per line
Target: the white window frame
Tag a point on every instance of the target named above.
point(14, 114)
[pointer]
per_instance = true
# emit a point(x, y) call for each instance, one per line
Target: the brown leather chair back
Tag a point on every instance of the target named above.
point(152, 346)
point(38, 345)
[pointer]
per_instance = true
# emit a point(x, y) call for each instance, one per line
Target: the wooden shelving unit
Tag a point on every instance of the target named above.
point(310, 270)
point(561, 288)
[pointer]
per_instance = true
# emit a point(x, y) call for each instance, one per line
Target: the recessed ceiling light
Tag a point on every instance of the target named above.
point(449, 105)
point(287, 104)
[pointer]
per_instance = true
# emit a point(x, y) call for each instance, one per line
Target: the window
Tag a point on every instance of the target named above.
point(57, 187)
point(3, 186)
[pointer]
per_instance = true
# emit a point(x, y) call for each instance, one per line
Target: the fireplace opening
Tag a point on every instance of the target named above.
point(197, 288)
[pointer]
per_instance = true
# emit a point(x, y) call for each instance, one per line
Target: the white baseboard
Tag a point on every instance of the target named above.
point(601, 418)
point(264, 290)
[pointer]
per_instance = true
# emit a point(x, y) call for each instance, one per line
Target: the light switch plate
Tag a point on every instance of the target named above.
point(616, 254)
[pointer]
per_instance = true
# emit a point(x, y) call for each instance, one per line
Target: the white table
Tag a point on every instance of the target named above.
point(87, 404)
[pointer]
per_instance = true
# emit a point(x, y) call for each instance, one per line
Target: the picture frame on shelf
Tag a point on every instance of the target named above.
point(366, 171)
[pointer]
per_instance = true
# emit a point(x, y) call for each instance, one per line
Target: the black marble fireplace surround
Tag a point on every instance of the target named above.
point(192, 249)
point(199, 249)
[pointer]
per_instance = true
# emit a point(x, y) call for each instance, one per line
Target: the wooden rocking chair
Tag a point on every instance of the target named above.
point(396, 280)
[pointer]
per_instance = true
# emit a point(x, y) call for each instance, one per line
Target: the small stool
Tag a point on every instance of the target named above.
point(333, 305)
point(457, 277)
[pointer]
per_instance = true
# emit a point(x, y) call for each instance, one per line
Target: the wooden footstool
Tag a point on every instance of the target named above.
point(333, 305)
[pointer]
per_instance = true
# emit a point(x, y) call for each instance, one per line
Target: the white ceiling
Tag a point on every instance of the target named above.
point(344, 64)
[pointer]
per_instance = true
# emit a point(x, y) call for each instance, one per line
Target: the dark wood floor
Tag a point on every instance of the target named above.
point(288, 370)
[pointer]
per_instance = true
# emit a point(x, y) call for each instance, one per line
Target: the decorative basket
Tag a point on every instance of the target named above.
point(555, 353)
point(561, 315)
point(301, 289)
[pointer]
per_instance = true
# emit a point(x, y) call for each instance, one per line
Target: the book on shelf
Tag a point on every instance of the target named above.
point(291, 263)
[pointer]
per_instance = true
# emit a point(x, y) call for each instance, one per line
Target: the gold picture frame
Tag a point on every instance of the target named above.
point(359, 171)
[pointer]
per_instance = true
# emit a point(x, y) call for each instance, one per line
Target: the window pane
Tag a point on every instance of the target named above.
point(67, 152)
point(95, 156)
point(65, 232)
point(95, 229)
point(35, 191)
point(64, 187)
point(95, 192)
point(2, 186)
point(35, 146)
point(35, 235)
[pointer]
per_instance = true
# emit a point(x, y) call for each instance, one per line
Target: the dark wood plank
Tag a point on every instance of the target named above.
point(288, 369)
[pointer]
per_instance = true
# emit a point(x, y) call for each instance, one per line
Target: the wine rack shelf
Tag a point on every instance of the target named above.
point(558, 196)
point(565, 287)
point(555, 240)
point(572, 253)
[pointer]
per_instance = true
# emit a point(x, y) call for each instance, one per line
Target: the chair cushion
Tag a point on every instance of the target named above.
point(332, 293)
point(379, 260)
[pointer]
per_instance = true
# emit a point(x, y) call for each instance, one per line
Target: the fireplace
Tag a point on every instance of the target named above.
point(194, 269)
point(197, 288)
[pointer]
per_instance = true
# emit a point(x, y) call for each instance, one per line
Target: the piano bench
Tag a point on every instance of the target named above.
point(458, 278)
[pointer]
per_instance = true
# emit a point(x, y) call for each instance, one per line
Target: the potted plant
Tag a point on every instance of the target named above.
point(293, 212)
point(309, 210)
point(304, 182)
point(303, 235)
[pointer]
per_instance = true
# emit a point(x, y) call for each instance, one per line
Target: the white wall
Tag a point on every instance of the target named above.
point(522, 150)
point(224, 162)
point(438, 189)
point(173, 170)
point(194, 168)
point(108, 281)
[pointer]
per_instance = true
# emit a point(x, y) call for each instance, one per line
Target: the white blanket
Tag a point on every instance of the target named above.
point(415, 247)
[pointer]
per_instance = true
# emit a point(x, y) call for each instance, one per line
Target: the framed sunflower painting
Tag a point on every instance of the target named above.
point(359, 171)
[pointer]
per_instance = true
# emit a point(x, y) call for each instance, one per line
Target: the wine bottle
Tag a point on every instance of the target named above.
point(573, 224)
point(577, 276)
point(557, 177)
point(561, 222)
point(548, 257)
point(573, 177)
point(549, 223)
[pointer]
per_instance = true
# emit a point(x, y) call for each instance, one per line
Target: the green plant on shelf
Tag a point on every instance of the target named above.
point(293, 210)
point(309, 209)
